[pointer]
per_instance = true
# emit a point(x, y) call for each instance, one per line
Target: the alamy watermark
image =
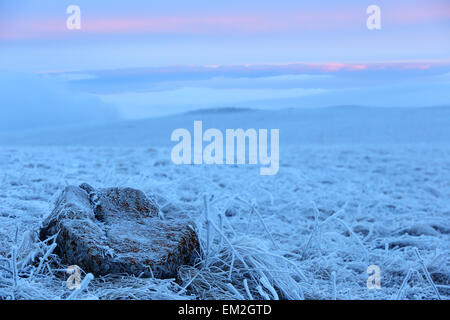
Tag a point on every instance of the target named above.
point(235, 147)
point(73, 22)
point(374, 280)
point(74, 280)
point(374, 20)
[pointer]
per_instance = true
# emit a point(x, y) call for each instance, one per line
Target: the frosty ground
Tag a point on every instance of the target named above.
point(345, 197)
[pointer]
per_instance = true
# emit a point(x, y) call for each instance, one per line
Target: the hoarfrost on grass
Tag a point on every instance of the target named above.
point(309, 232)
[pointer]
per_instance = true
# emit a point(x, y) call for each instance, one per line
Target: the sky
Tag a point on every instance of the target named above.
point(148, 58)
point(138, 33)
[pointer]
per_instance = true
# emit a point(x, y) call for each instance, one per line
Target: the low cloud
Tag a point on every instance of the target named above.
point(29, 101)
point(276, 76)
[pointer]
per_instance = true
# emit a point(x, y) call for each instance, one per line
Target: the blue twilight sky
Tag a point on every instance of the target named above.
point(138, 33)
point(144, 58)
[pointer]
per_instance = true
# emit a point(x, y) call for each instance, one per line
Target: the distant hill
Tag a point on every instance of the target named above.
point(301, 126)
point(220, 110)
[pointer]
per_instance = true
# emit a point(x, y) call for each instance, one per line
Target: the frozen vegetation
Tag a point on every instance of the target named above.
point(355, 188)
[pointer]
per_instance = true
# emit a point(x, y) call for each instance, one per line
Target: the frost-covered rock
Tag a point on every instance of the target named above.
point(119, 230)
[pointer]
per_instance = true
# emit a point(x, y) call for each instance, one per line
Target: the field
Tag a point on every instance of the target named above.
point(336, 207)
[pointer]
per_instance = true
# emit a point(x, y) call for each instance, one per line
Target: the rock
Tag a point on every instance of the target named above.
point(119, 230)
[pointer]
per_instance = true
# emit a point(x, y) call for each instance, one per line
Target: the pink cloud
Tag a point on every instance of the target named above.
point(301, 67)
point(413, 14)
point(279, 68)
point(194, 24)
point(331, 67)
point(201, 24)
point(313, 20)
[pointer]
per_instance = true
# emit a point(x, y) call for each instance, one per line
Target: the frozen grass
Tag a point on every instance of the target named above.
point(241, 268)
point(309, 232)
